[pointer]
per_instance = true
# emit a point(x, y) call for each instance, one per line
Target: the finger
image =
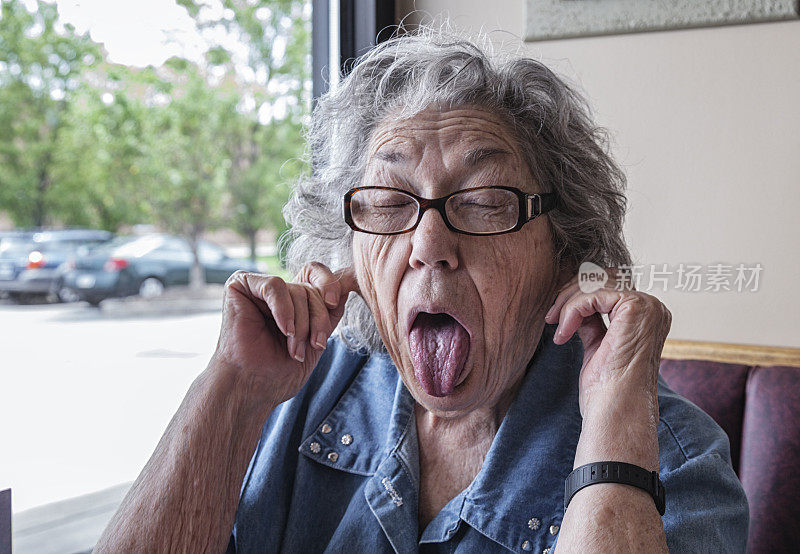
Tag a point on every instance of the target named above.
point(591, 333)
point(275, 293)
point(297, 344)
point(319, 320)
point(238, 284)
point(264, 291)
point(348, 281)
point(563, 297)
point(619, 279)
point(333, 285)
point(571, 289)
point(581, 306)
point(321, 277)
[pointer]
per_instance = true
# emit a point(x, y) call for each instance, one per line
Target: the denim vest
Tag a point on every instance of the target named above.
point(337, 470)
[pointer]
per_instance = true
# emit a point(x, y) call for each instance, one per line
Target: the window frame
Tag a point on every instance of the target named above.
point(361, 25)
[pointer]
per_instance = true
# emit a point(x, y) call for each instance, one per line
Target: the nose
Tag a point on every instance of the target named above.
point(433, 244)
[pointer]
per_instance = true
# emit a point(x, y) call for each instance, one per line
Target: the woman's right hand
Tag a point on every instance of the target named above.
point(273, 332)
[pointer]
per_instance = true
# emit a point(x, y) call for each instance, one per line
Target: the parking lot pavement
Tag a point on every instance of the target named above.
point(85, 398)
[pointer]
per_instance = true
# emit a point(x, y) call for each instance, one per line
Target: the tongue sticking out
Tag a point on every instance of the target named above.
point(439, 346)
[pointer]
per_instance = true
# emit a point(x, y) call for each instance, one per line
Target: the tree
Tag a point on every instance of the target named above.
point(100, 177)
point(188, 162)
point(186, 145)
point(42, 63)
point(258, 180)
point(272, 83)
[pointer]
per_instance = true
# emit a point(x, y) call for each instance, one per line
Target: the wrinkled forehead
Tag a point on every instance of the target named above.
point(461, 133)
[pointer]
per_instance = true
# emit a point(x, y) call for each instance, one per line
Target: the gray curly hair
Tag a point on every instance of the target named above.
point(565, 151)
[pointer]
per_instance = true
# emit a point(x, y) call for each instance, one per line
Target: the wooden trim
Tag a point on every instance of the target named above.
point(746, 354)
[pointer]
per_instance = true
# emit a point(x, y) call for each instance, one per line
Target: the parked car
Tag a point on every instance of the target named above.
point(146, 265)
point(29, 262)
point(10, 238)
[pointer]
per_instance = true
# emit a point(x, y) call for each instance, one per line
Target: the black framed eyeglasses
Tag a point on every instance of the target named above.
point(476, 211)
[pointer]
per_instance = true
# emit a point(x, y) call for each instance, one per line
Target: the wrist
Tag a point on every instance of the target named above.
point(610, 472)
point(624, 429)
point(249, 399)
point(625, 403)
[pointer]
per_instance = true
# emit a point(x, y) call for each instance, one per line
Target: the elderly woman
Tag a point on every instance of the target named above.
point(455, 196)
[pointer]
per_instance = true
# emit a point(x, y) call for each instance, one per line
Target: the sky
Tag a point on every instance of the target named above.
point(136, 32)
point(148, 32)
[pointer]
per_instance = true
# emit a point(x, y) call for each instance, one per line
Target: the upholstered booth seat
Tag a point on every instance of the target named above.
point(758, 408)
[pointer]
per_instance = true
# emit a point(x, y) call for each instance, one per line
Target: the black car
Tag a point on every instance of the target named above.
point(145, 265)
point(29, 262)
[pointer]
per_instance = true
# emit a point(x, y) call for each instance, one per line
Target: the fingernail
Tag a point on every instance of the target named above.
point(290, 330)
point(300, 351)
point(330, 298)
point(320, 340)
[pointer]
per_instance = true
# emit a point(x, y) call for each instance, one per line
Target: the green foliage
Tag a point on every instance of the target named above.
point(189, 164)
point(99, 161)
point(41, 66)
point(264, 150)
point(218, 56)
point(185, 146)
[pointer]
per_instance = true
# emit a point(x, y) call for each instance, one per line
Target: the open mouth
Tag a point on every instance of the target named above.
point(439, 347)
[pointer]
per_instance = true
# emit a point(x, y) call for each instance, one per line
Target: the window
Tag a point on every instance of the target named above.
point(154, 140)
point(342, 30)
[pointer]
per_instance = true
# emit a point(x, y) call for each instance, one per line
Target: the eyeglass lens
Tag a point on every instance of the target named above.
point(474, 211)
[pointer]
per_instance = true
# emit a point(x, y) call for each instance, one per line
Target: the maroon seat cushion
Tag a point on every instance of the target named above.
point(716, 388)
point(770, 454)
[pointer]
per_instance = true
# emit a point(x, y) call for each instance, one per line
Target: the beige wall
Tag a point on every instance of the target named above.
point(706, 123)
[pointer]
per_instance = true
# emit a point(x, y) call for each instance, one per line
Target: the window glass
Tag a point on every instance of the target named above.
point(210, 253)
point(14, 246)
point(194, 121)
point(140, 247)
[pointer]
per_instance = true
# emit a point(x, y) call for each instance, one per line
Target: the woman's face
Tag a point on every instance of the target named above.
point(490, 293)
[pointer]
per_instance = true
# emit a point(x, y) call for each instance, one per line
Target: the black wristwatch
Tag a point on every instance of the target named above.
point(615, 472)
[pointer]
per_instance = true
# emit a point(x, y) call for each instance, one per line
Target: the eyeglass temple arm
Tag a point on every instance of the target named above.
point(539, 204)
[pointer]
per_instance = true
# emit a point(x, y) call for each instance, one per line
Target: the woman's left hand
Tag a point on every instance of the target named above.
point(617, 396)
point(620, 363)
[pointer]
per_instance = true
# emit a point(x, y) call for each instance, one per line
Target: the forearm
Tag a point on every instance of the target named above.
point(186, 496)
point(615, 517)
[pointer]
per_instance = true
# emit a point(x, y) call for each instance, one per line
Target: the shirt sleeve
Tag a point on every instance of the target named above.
point(706, 507)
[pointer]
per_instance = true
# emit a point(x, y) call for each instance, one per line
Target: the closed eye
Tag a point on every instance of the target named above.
point(395, 205)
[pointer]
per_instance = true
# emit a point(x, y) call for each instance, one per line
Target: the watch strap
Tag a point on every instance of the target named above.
point(615, 472)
